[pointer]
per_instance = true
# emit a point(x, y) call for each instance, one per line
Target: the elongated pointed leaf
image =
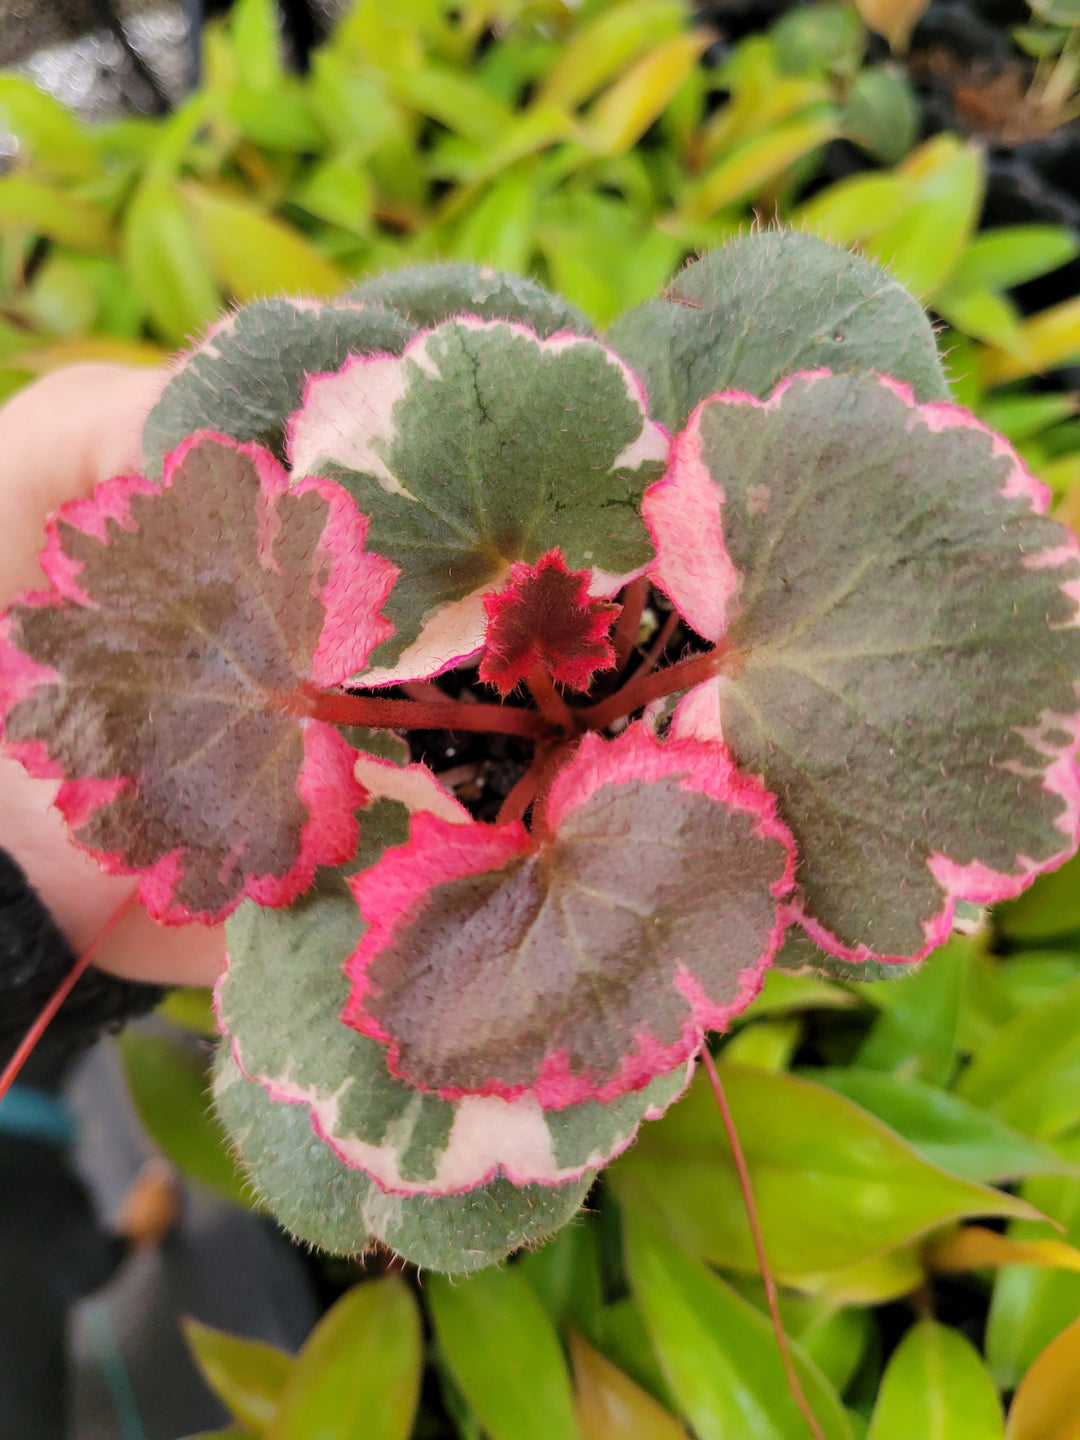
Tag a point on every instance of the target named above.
point(936, 1386)
point(280, 1004)
point(718, 1352)
point(870, 598)
point(358, 1375)
point(1047, 1404)
point(482, 444)
point(153, 678)
point(247, 375)
point(764, 307)
point(504, 1354)
point(584, 964)
point(610, 1406)
point(248, 1375)
point(965, 1139)
point(833, 1185)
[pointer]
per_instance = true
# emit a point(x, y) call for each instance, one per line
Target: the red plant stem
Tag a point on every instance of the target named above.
point(339, 709)
point(639, 690)
point(521, 794)
point(59, 995)
point(548, 700)
point(625, 634)
point(794, 1383)
point(655, 652)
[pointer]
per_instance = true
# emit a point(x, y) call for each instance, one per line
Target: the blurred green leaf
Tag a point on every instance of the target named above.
point(881, 113)
point(718, 1351)
point(782, 992)
point(50, 212)
point(624, 112)
point(1037, 975)
point(1011, 254)
point(280, 118)
point(769, 1044)
point(1018, 417)
point(980, 313)
point(962, 1138)
point(1031, 1305)
point(916, 1035)
point(1050, 907)
point(833, 1186)
point(1057, 12)
point(246, 1375)
point(1048, 339)
point(1047, 1404)
point(256, 39)
point(455, 100)
point(338, 190)
point(166, 265)
point(254, 256)
point(923, 245)
point(609, 1406)
point(358, 1374)
point(171, 1089)
point(192, 1009)
point(1029, 1073)
point(607, 43)
point(936, 1387)
point(757, 161)
point(63, 297)
point(49, 136)
point(504, 1355)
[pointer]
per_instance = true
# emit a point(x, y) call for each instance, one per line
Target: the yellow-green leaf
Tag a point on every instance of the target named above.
point(718, 1352)
point(895, 19)
point(834, 1186)
point(254, 256)
point(922, 245)
point(247, 1375)
point(936, 1387)
point(970, 1247)
point(50, 212)
point(503, 1352)
point(1048, 339)
point(358, 1375)
point(610, 1406)
point(166, 266)
point(49, 136)
point(622, 114)
point(758, 161)
point(601, 49)
point(1047, 1404)
point(854, 208)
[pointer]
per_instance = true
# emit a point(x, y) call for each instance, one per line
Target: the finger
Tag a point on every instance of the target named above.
point(80, 897)
point(60, 437)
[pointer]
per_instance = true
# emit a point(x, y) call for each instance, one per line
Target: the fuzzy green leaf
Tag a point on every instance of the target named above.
point(765, 306)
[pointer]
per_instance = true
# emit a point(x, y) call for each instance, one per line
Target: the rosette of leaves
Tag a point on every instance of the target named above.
point(437, 1027)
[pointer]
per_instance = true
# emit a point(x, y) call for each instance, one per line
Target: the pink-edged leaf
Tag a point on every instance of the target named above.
point(547, 617)
point(901, 647)
point(582, 964)
point(482, 444)
point(161, 678)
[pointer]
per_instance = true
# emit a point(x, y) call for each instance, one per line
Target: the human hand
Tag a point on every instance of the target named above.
point(58, 439)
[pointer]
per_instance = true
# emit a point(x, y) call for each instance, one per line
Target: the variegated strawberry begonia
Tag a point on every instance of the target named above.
point(451, 1020)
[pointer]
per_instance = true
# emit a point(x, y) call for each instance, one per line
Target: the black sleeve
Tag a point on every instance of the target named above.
point(34, 958)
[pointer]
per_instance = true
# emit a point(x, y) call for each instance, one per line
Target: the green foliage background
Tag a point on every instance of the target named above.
point(592, 148)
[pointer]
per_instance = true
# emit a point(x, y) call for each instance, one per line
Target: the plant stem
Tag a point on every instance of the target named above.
point(794, 1383)
point(548, 700)
point(56, 999)
point(379, 714)
point(624, 636)
point(521, 795)
point(638, 691)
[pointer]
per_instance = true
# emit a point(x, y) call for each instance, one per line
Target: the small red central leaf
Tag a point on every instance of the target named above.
point(546, 616)
point(161, 677)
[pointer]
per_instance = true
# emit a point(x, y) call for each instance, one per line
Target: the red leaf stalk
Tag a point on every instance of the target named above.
point(59, 995)
point(794, 1383)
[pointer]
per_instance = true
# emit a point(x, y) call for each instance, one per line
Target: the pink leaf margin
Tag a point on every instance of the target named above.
point(355, 585)
point(391, 893)
point(692, 504)
point(363, 394)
